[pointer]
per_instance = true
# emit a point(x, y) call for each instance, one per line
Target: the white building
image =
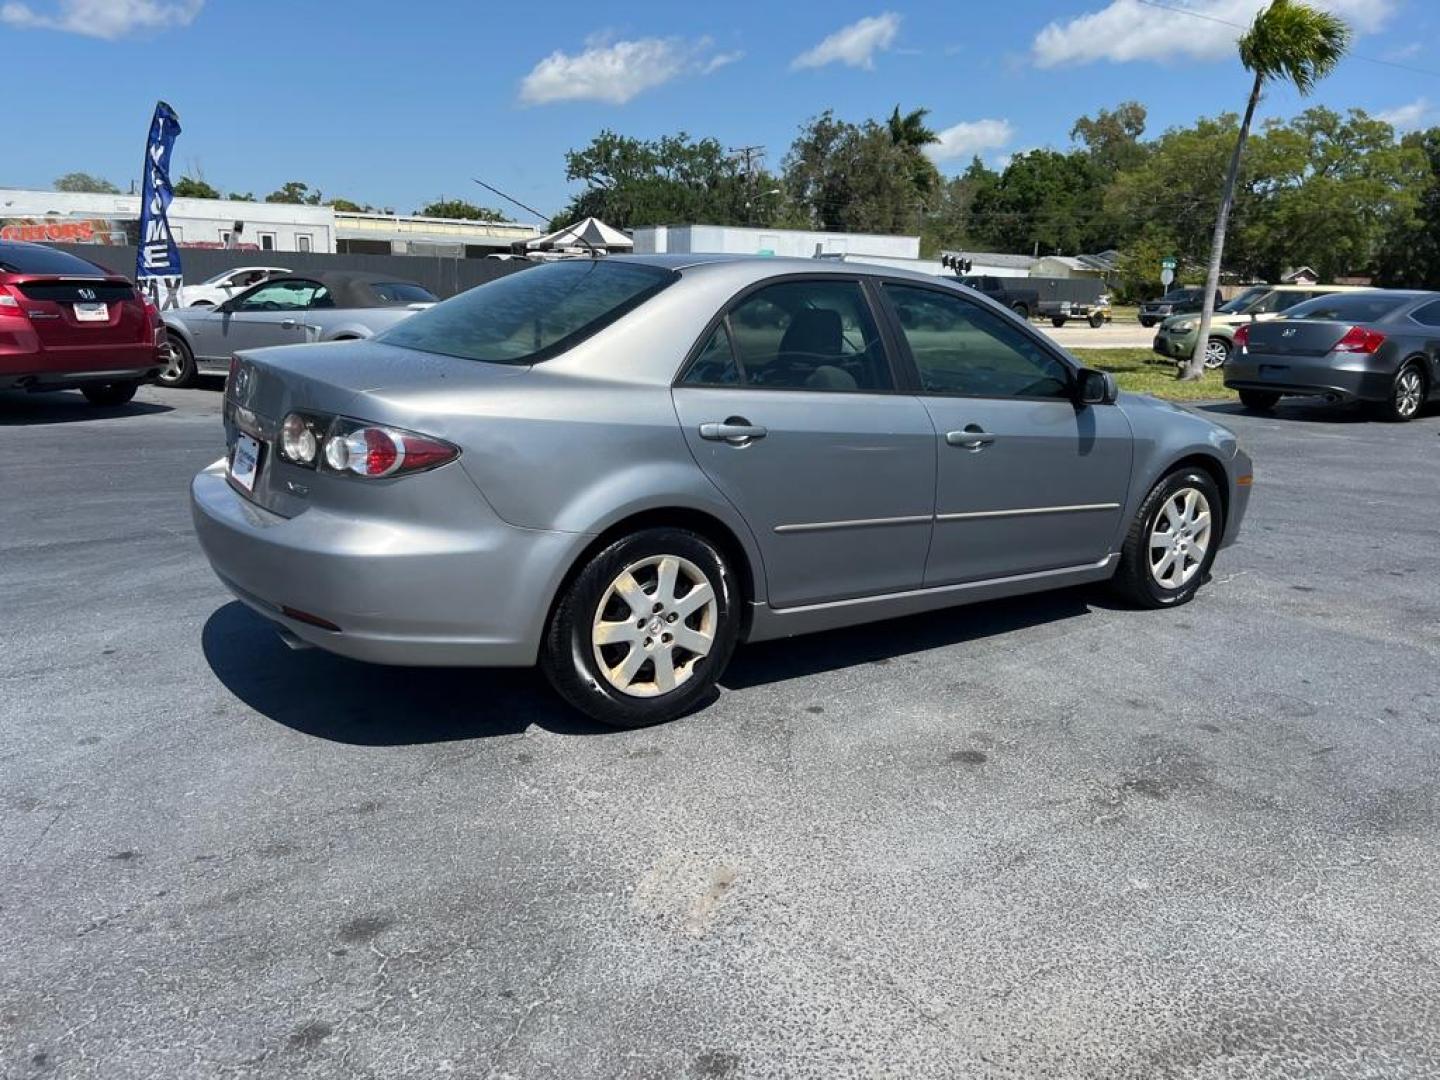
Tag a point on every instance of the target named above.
point(797, 243)
point(256, 226)
point(996, 264)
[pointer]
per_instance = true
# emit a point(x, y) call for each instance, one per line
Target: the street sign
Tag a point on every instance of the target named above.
point(1167, 263)
point(1167, 275)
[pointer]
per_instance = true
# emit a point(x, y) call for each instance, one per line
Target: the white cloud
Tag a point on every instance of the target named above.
point(108, 19)
point(855, 45)
point(970, 137)
point(616, 71)
point(1406, 117)
point(1127, 30)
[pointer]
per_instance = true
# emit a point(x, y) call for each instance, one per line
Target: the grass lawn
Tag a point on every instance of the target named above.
point(1125, 313)
point(1141, 371)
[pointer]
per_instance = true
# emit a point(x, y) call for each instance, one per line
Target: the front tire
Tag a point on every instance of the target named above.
point(1172, 543)
point(1097, 321)
point(1258, 400)
point(645, 629)
point(179, 370)
point(1023, 310)
point(1057, 321)
point(110, 394)
point(1407, 395)
point(1147, 323)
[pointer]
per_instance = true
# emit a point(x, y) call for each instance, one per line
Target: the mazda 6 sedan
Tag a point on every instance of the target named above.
point(620, 468)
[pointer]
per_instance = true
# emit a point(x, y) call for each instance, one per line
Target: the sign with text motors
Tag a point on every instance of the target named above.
point(157, 258)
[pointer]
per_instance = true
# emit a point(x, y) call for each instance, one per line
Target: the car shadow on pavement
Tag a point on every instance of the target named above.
point(330, 697)
point(65, 407)
point(883, 642)
point(1296, 409)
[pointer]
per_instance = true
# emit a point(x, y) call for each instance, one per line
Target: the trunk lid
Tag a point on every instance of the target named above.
point(1296, 337)
point(342, 378)
point(71, 311)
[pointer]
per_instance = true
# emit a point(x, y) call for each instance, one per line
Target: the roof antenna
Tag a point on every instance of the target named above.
point(594, 254)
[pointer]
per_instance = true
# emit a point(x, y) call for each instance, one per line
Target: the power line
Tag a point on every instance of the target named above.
point(1242, 26)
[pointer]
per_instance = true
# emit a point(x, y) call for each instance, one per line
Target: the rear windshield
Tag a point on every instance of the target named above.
point(532, 314)
point(1348, 307)
point(35, 259)
point(403, 292)
point(1244, 300)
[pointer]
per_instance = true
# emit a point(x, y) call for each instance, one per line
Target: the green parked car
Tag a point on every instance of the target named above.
point(1175, 340)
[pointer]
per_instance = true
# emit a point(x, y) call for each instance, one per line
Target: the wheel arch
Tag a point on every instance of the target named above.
point(1213, 467)
point(708, 525)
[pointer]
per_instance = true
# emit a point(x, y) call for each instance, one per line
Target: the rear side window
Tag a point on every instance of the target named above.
point(1429, 315)
point(809, 335)
point(1348, 307)
point(402, 292)
point(534, 314)
point(36, 259)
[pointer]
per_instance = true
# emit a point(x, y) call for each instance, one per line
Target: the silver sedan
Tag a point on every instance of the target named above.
point(290, 310)
point(621, 468)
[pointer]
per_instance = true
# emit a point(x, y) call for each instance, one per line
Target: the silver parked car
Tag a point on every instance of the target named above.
point(623, 467)
point(290, 310)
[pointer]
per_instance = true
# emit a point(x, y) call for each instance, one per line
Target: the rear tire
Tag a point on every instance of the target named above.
point(179, 370)
point(1023, 310)
point(1258, 400)
point(1057, 321)
point(1172, 543)
point(1147, 323)
point(1407, 394)
point(1097, 321)
point(110, 394)
point(665, 610)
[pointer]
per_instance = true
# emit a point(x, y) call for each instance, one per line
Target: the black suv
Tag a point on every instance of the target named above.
point(1175, 302)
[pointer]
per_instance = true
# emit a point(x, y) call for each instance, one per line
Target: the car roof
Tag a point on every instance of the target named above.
point(759, 267)
point(348, 288)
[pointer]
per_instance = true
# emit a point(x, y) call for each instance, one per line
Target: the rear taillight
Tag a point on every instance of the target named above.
point(1359, 340)
point(10, 303)
point(355, 448)
point(1242, 337)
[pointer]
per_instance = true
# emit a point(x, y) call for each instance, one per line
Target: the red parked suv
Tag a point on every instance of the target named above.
point(67, 323)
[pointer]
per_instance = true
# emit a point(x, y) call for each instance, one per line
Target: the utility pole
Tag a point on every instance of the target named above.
point(749, 154)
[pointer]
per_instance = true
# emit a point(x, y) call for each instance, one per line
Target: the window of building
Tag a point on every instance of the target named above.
point(267, 241)
point(302, 241)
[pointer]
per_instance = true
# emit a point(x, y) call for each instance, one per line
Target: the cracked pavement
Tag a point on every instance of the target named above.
point(1038, 838)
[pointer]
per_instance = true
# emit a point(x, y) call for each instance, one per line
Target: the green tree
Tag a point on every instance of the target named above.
point(845, 177)
point(79, 181)
point(295, 193)
point(1044, 200)
point(910, 133)
point(189, 187)
point(630, 182)
point(347, 206)
point(1112, 139)
point(949, 224)
point(1288, 41)
point(1410, 255)
point(241, 196)
point(459, 208)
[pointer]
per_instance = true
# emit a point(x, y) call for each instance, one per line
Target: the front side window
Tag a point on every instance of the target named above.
point(526, 317)
point(809, 335)
point(402, 292)
point(290, 295)
point(962, 349)
point(1242, 302)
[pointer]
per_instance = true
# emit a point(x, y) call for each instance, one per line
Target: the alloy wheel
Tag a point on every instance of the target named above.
point(654, 623)
point(1409, 392)
point(1215, 353)
point(1180, 538)
point(174, 363)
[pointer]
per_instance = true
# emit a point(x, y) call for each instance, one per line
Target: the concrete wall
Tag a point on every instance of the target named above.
point(443, 277)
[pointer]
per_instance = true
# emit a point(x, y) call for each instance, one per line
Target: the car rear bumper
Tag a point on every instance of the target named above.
point(476, 595)
point(26, 364)
point(1339, 381)
point(70, 380)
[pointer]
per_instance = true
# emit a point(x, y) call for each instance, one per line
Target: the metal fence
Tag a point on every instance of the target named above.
point(443, 276)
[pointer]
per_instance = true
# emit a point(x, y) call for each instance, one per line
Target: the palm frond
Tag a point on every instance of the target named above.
point(1295, 42)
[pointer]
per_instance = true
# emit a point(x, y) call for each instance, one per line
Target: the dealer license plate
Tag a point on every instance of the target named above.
point(92, 312)
point(245, 462)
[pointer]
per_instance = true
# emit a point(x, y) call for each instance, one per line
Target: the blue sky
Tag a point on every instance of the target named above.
point(396, 103)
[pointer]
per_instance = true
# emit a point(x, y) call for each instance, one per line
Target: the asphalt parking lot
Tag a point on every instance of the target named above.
point(1040, 838)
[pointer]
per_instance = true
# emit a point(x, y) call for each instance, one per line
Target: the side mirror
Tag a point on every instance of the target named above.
point(1096, 387)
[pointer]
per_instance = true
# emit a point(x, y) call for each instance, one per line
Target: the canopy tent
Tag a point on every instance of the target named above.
point(591, 231)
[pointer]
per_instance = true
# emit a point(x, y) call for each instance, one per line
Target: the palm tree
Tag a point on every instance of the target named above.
point(911, 135)
point(1288, 40)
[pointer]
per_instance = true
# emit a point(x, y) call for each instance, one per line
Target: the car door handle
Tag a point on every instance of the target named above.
point(289, 324)
point(735, 430)
point(973, 437)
